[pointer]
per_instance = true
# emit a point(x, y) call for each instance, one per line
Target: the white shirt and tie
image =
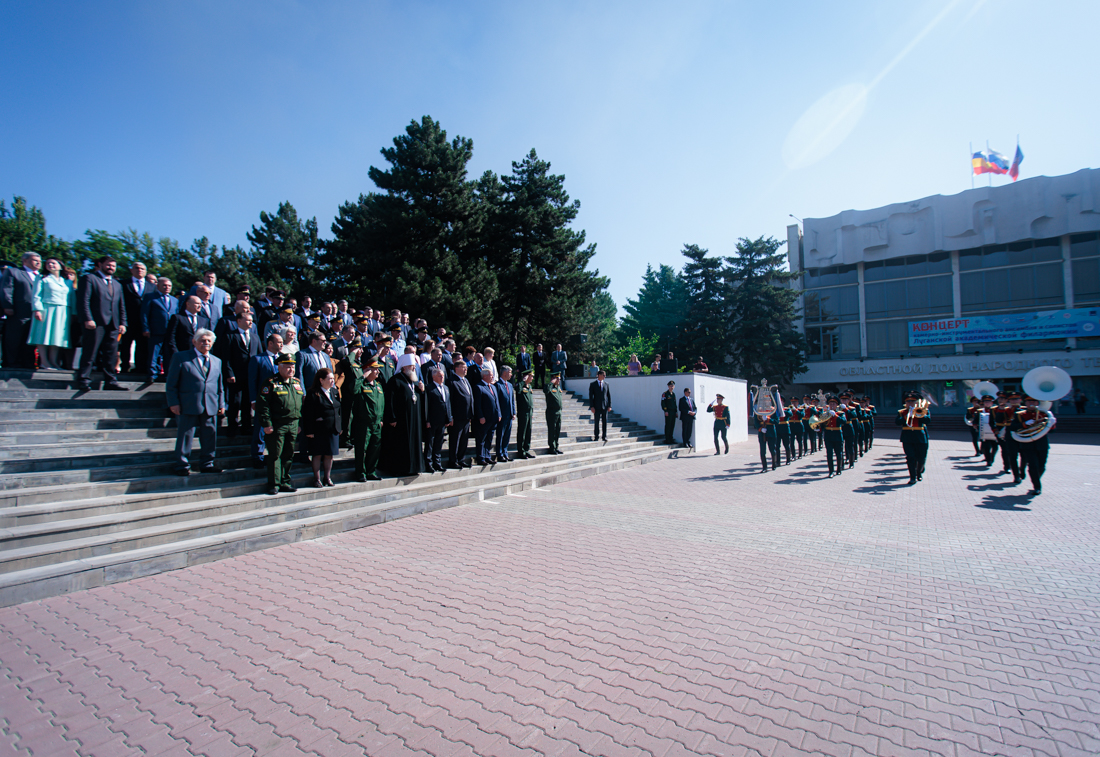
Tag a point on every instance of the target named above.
point(139, 287)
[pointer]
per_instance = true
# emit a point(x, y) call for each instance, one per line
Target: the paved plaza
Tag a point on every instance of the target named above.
point(690, 606)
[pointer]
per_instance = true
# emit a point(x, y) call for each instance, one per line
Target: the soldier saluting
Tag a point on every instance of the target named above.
point(525, 410)
point(278, 410)
point(369, 403)
point(553, 413)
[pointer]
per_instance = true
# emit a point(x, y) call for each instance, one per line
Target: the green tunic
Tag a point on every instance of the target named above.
point(279, 407)
point(553, 416)
point(525, 409)
point(366, 427)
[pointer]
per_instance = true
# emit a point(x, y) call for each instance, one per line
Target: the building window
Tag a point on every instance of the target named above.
point(908, 267)
point(930, 295)
point(891, 338)
point(1084, 249)
point(815, 278)
point(830, 305)
point(832, 342)
point(1020, 288)
point(1017, 253)
point(1084, 246)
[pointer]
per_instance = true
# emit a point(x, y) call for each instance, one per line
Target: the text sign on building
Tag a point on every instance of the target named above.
point(1047, 324)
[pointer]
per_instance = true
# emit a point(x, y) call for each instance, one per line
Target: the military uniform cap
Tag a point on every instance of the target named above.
point(287, 309)
point(354, 343)
point(423, 329)
point(245, 288)
point(832, 398)
point(528, 372)
point(671, 383)
point(277, 293)
point(720, 396)
point(286, 358)
point(372, 363)
point(394, 327)
point(314, 316)
point(989, 397)
point(387, 340)
point(1029, 398)
point(975, 398)
point(555, 374)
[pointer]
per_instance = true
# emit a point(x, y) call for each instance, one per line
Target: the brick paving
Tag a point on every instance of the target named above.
point(691, 606)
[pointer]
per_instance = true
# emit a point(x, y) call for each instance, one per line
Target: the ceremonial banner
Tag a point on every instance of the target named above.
point(1047, 324)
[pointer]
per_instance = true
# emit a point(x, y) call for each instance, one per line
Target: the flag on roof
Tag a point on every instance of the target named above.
point(998, 163)
point(980, 162)
point(1014, 171)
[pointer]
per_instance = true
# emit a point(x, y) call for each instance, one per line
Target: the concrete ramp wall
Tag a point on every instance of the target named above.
point(639, 399)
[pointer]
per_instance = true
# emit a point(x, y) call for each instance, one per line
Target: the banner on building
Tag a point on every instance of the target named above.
point(1047, 324)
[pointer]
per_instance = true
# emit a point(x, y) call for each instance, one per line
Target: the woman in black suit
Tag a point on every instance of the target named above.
point(321, 423)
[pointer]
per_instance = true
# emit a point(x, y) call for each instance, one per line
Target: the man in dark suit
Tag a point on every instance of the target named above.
point(156, 314)
point(523, 360)
point(218, 299)
point(195, 391)
point(101, 309)
point(599, 400)
point(312, 359)
point(540, 361)
point(235, 344)
point(558, 363)
point(506, 396)
point(134, 290)
point(182, 328)
point(486, 415)
point(462, 413)
point(437, 417)
point(17, 298)
point(687, 417)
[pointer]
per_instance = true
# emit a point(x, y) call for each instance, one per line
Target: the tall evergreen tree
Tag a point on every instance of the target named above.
point(285, 251)
point(660, 310)
point(23, 229)
point(546, 289)
point(706, 322)
point(415, 245)
point(762, 341)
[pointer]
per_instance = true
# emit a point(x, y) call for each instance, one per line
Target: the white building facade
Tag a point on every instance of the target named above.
point(938, 293)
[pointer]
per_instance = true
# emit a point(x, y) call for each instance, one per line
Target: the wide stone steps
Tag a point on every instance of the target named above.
point(87, 496)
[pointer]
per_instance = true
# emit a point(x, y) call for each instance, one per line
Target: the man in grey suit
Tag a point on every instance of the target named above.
point(100, 306)
point(17, 297)
point(196, 395)
point(219, 298)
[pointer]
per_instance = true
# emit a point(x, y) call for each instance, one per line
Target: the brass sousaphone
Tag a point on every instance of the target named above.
point(1046, 384)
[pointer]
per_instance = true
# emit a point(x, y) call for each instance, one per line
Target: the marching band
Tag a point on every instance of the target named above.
point(844, 426)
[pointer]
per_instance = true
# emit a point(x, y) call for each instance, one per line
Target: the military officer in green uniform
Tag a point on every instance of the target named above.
point(525, 409)
point(366, 423)
point(669, 406)
point(278, 410)
point(553, 413)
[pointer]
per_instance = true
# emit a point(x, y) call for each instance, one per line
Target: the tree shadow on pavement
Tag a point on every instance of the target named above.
point(1013, 503)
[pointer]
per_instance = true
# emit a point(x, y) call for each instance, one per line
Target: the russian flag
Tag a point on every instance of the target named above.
point(997, 163)
point(1014, 172)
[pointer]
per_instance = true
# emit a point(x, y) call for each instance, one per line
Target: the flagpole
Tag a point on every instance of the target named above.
point(971, 165)
point(989, 172)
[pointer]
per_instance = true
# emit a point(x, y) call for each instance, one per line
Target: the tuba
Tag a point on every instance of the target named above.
point(763, 403)
point(1046, 384)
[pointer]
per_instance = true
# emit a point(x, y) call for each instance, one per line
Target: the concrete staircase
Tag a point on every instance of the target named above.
point(87, 497)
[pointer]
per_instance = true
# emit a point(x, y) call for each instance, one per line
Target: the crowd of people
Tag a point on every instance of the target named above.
point(300, 382)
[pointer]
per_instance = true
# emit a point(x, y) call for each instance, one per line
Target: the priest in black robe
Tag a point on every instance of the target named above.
point(402, 445)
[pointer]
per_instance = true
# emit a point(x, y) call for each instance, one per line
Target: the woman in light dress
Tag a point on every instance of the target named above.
point(54, 302)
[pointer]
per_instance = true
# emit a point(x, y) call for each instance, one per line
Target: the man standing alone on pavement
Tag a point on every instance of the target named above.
point(599, 400)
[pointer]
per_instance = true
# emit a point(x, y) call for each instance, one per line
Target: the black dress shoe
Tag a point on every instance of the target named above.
point(373, 477)
point(211, 469)
point(287, 489)
point(273, 491)
point(83, 387)
point(360, 479)
point(116, 388)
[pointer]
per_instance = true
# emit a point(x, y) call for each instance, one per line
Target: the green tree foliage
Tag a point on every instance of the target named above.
point(705, 326)
point(23, 229)
point(617, 358)
point(660, 310)
point(762, 341)
point(541, 264)
point(415, 244)
point(284, 254)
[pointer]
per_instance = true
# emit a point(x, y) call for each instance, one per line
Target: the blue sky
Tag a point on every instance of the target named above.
point(672, 124)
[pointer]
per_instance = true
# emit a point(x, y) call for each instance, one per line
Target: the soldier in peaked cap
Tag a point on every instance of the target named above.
point(833, 433)
point(849, 431)
point(278, 410)
point(988, 446)
point(525, 411)
point(971, 420)
point(554, 402)
point(914, 435)
point(366, 422)
point(671, 408)
point(1033, 452)
point(808, 431)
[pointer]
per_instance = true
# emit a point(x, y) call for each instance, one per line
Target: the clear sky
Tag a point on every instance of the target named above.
point(673, 123)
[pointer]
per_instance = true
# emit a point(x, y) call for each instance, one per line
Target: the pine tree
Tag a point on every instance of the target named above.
point(23, 229)
point(706, 323)
point(284, 251)
point(660, 310)
point(762, 341)
point(415, 244)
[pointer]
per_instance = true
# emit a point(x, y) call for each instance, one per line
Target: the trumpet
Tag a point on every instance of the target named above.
point(918, 411)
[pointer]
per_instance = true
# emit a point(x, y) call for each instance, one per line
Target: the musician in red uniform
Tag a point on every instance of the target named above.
point(1001, 419)
point(834, 434)
point(1031, 426)
point(1010, 448)
point(972, 414)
